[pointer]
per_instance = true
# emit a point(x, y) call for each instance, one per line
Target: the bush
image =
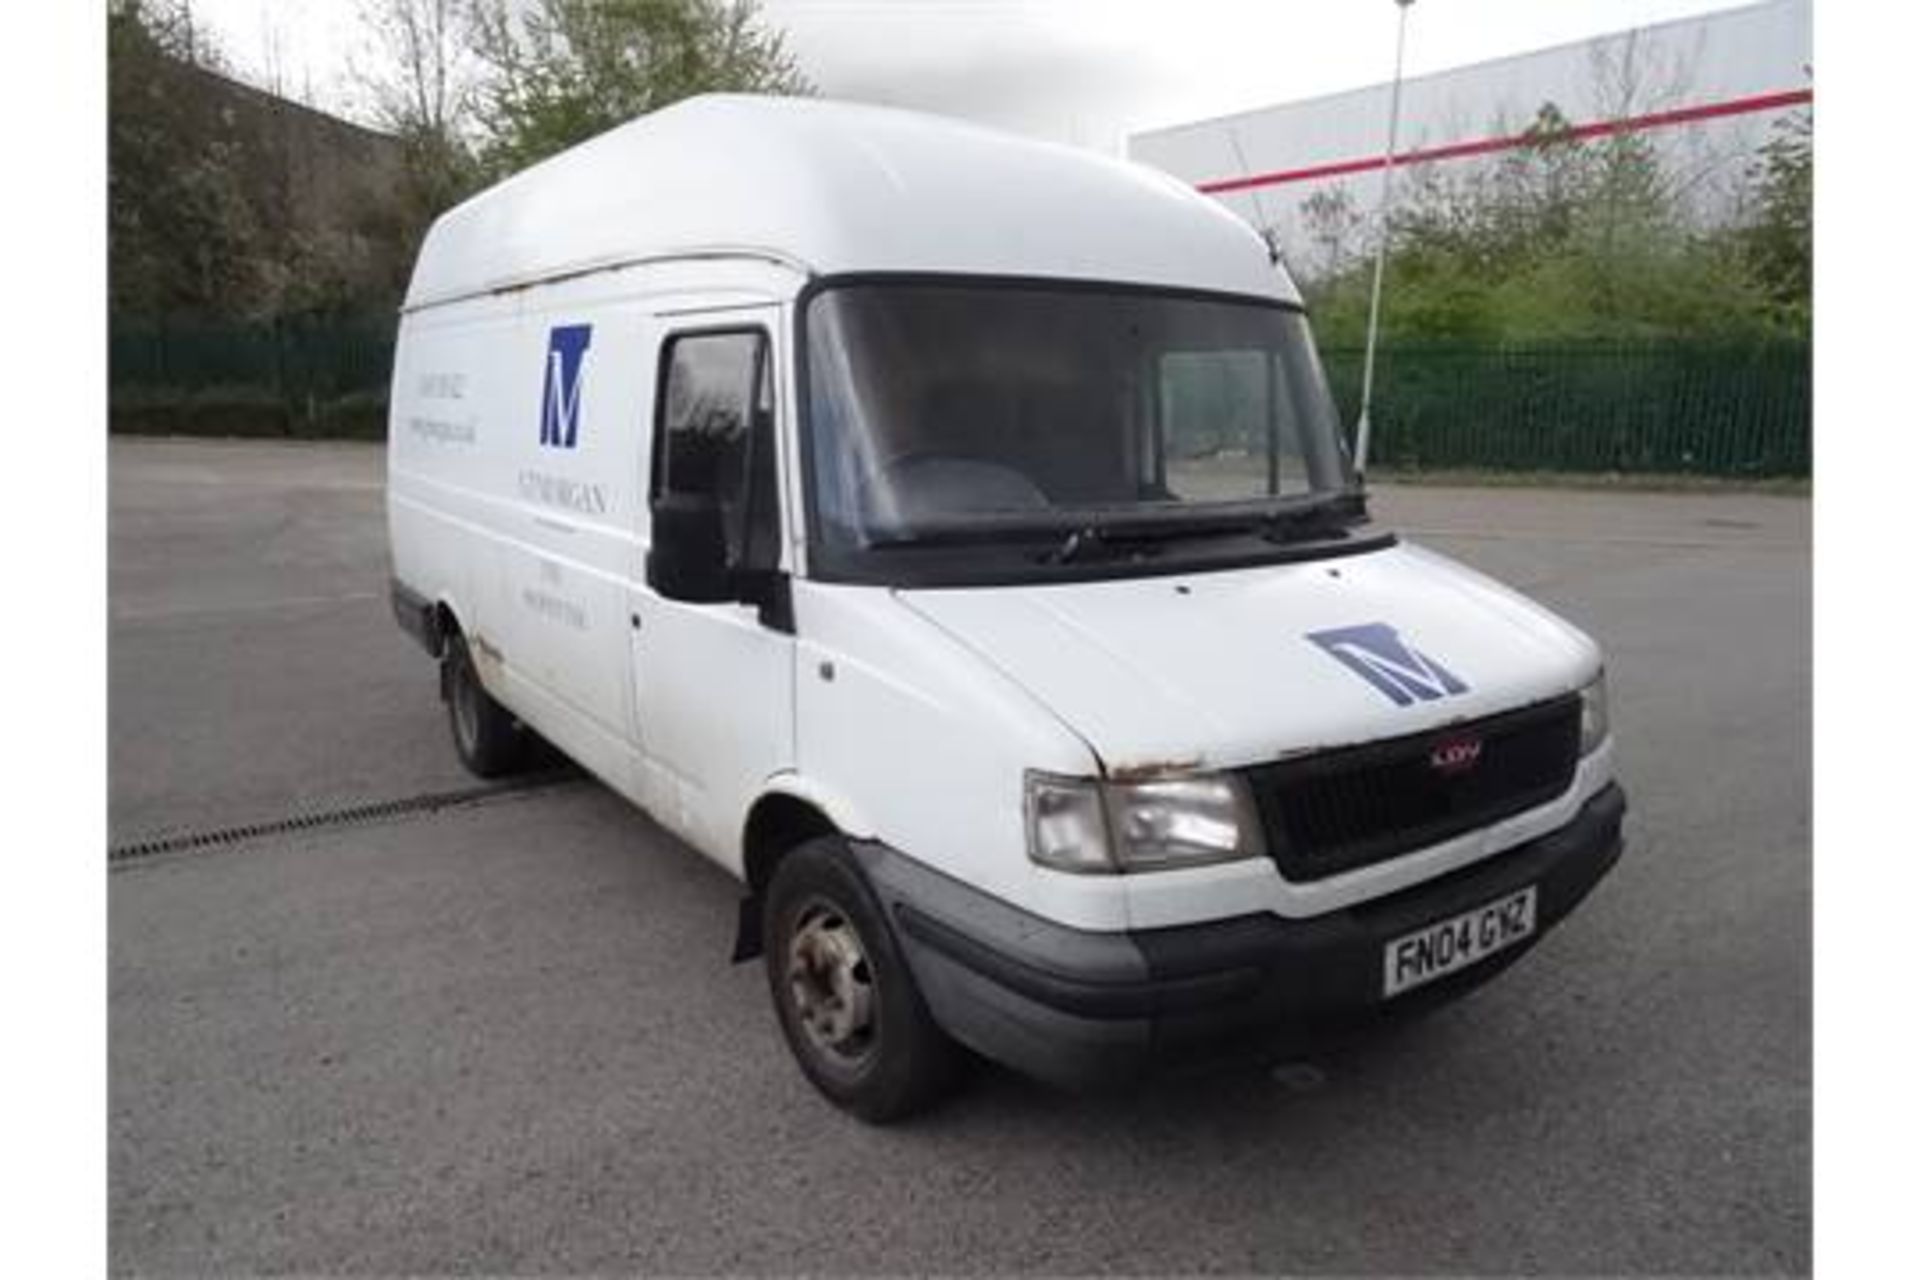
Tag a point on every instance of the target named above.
point(360, 416)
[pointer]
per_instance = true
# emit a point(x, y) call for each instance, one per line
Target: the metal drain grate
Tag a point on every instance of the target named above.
point(350, 815)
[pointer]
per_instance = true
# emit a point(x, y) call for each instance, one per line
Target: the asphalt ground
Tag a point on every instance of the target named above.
point(504, 1036)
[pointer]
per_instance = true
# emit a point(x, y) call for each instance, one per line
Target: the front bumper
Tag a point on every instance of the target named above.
point(1078, 1008)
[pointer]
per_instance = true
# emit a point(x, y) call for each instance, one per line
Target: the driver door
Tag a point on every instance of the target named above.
point(714, 682)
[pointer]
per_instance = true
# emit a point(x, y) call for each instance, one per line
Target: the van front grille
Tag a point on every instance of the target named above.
point(1337, 810)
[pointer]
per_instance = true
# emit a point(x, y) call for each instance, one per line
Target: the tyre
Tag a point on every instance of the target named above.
point(847, 1003)
point(490, 741)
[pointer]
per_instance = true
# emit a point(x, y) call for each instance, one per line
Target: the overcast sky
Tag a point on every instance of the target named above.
point(1083, 71)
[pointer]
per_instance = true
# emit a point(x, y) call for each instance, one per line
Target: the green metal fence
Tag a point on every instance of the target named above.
point(291, 377)
point(1651, 407)
point(1666, 407)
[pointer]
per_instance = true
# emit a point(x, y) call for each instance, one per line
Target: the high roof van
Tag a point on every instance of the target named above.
point(951, 535)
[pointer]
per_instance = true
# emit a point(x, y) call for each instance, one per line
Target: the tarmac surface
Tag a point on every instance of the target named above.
point(503, 1036)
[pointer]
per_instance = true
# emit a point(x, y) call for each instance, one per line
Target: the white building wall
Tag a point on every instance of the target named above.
point(1718, 62)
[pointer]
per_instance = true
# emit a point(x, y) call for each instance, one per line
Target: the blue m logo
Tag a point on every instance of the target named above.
point(560, 401)
point(1375, 652)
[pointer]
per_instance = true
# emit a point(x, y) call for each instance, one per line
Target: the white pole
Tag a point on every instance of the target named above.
point(1365, 426)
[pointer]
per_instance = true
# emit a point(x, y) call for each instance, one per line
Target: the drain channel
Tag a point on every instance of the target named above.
point(351, 815)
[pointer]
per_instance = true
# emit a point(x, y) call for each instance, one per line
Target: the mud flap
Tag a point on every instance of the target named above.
point(746, 938)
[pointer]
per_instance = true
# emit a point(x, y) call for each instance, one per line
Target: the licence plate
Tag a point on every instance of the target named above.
point(1447, 946)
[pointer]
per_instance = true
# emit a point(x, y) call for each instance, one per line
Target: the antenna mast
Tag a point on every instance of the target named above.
point(1364, 428)
point(1267, 232)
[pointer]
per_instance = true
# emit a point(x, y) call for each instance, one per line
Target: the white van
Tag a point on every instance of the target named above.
point(952, 537)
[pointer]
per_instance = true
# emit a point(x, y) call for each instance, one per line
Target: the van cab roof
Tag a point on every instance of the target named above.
point(834, 187)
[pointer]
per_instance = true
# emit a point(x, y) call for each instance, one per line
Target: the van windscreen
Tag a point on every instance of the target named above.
point(992, 411)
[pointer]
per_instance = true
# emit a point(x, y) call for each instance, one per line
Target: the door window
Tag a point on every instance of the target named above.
point(716, 436)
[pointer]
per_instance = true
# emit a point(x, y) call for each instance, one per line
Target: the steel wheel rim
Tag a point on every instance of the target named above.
point(830, 987)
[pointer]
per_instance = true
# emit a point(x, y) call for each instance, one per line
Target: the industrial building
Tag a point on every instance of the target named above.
point(1707, 92)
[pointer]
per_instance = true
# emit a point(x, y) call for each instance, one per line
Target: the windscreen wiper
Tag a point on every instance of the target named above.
point(1082, 542)
point(1131, 535)
point(1081, 539)
point(936, 536)
point(1085, 540)
point(1101, 540)
point(1327, 518)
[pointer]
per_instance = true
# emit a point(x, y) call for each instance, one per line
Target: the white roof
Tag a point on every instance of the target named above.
point(833, 187)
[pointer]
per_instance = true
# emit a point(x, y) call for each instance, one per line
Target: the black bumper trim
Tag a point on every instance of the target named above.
point(1071, 994)
point(1257, 961)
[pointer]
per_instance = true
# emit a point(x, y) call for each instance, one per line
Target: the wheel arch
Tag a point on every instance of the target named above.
point(443, 626)
point(449, 622)
point(789, 811)
point(445, 621)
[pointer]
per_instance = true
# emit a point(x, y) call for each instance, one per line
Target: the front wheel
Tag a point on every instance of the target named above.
point(847, 1003)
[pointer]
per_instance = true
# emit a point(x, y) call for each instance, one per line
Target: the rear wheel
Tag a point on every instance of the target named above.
point(490, 741)
point(847, 1003)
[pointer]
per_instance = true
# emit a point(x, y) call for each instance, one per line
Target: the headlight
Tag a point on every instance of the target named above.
point(1083, 825)
point(1066, 824)
point(1593, 714)
point(1182, 822)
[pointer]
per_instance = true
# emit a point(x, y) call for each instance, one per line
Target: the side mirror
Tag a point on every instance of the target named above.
point(688, 558)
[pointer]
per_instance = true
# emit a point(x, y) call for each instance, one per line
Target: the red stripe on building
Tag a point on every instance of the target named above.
point(1487, 146)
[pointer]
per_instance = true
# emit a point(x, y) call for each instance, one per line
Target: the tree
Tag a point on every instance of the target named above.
point(181, 232)
point(421, 85)
point(1779, 241)
point(560, 71)
point(1333, 228)
point(423, 78)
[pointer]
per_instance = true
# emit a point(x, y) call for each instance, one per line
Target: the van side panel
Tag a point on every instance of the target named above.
point(570, 423)
point(526, 533)
point(441, 508)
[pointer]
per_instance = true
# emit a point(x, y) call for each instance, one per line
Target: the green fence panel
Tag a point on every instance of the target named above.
point(1646, 407)
point(297, 376)
point(1653, 407)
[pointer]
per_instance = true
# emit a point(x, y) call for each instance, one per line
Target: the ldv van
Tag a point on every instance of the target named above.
point(951, 536)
